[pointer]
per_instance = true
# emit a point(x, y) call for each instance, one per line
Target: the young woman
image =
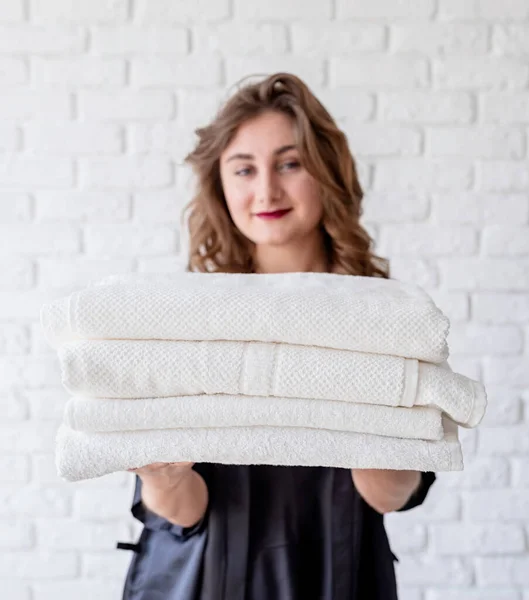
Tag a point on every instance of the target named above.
point(277, 192)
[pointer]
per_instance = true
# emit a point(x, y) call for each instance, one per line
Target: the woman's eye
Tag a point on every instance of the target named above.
point(289, 166)
point(243, 172)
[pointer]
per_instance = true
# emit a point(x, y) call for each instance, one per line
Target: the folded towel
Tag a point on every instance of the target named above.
point(366, 314)
point(99, 415)
point(152, 368)
point(87, 455)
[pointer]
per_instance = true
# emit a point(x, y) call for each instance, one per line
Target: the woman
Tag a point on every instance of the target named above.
point(277, 192)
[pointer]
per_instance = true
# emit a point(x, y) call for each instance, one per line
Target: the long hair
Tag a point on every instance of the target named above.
point(215, 243)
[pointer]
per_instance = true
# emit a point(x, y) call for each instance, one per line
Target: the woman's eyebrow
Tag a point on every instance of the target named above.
point(277, 152)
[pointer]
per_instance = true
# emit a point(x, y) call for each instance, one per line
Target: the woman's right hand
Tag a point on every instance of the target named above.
point(163, 474)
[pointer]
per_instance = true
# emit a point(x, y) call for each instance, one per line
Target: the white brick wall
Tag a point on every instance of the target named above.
point(98, 102)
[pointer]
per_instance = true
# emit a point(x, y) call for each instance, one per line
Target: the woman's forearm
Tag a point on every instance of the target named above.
point(386, 490)
point(182, 501)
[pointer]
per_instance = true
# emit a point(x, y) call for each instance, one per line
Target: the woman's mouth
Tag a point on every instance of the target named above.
point(276, 214)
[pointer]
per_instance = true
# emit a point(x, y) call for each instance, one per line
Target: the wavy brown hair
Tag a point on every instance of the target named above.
point(215, 242)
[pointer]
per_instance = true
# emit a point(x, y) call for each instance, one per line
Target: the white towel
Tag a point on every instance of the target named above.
point(100, 415)
point(88, 455)
point(151, 368)
point(366, 314)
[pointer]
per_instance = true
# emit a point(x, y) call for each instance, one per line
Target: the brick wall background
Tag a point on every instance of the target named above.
point(98, 102)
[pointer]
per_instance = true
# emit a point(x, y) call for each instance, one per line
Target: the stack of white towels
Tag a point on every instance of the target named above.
point(285, 369)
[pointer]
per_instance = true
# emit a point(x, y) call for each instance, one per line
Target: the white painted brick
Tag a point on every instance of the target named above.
point(503, 441)
point(197, 107)
point(180, 11)
point(14, 468)
point(161, 207)
point(282, 11)
point(34, 501)
point(496, 175)
point(70, 11)
point(42, 239)
point(240, 37)
point(17, 273)
point(46, 404)
point(36, 40)
point(406, 537)
point(164, 264)
point(9, 138)
point(433, 570)
point(520, 471)
point(455, 305)
point(503, 407)
point(25, 104)
point(439, 506)
point(239, 67)
point(477, 208)
point(86, 207)
point(439, 38)
point(395, 207)
point(496, 505)
point(140, 40)
point(102, 565)
point(505, 107)
point(12, 11)
point(379, 71)
point(14, 338)
point(498, 240)
point(510, 40)
point(26, 304)
point(23, 171)
point(39, 565)
point(347, 106)
point(426, 107)
point(410, 593)
point(476, 594)
point(427, 240)
point(173, 140)
point(80, 589)
point(337, 38)
point(422, 174)
point(13, 71)
point(16, 534)
point(480, 73)
point(44, 471)
point(125, 105)
point(509, 9)
point(480, 473)
point(506, 370)
point(130, 240)
point(72, 139)
point(385, 9)
point(79, 272)
point(70, 534)
point(15, 207)
point(415, 271)
point(512, 570)
point(101, 504)
point(81, 70)
point(491, 274)
point(28, 436)
point(382, 140)
point(473, 338)
point(482, 142)
point(16, 590)
point(141, 172)
point(476, 539)
point(196, 71)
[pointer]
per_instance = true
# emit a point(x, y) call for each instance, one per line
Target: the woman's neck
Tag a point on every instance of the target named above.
point(303, 256)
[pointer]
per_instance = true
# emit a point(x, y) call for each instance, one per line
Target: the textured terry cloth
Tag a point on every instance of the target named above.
point(97, 414)
point(152, 368)
point(365, 314)
point(82, 455)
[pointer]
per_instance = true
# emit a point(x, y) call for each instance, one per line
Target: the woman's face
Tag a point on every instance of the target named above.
point(272, 199)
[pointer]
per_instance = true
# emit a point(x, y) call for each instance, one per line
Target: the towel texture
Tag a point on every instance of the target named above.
point(152, 368)
point(368, 314)
point(85, 456)
point(100, 415)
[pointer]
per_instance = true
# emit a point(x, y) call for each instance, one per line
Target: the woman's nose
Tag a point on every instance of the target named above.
point(269, 189)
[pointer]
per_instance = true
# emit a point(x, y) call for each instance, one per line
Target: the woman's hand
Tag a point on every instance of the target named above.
point(163, 472)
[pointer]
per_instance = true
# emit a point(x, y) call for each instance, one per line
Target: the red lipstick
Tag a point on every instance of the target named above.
point(276, 214)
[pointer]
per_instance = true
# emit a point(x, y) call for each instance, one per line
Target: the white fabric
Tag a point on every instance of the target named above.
point(99, 415)
point(366, 314)
point(87, 455)
point(152, 368)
